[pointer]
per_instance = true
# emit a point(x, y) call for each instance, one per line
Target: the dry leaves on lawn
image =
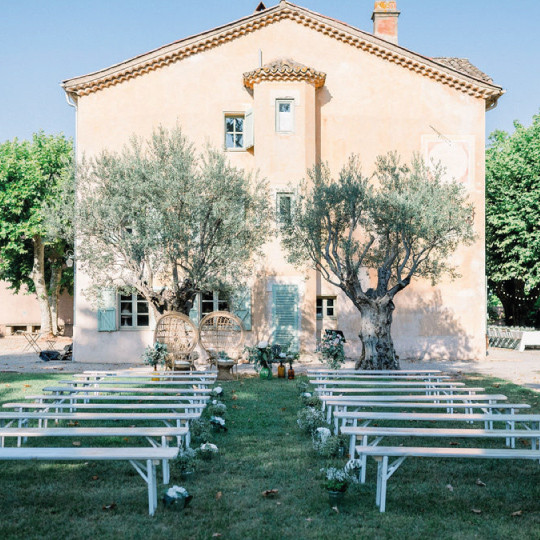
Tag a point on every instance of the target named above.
point(517, 514)
point(476, 511)
point(335, 509)
point(270, 492)
point(219, 494)
point(449, 487)
point(95, 477)
point(76, 443)
point(235, 397)
point(454, 443)
point(111, 506)
point(480, 483)
point(216, 535)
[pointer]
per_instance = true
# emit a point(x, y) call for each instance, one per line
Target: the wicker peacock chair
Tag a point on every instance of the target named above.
point(222, 332)
point(180, 334)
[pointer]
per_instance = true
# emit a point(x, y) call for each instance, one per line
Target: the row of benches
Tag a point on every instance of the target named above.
point(344, 397)
point(91, 397)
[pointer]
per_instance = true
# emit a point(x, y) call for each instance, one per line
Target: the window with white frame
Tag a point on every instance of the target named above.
point(234, 131)
point(211, 301)
point(326, 307)
point(134, 312)
point(284, 115)
point(284, 207)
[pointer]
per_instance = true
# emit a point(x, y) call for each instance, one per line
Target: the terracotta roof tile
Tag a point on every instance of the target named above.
point(464, 66)
point(284, 69)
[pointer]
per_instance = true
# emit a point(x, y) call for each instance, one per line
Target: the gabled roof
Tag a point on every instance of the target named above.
point(284, 69)
point(454, 72)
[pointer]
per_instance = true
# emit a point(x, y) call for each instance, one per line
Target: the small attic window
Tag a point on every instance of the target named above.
point(285, 115)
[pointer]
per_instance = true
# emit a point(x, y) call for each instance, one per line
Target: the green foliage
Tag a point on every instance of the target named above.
point(331, 350)
point(331, 447)
point(406, 226)
point(261, 356)
point(33, 177)
point(309, 419)
point(164, 210)
point(201, 430)
point(186, 459)
point(155, 354)
point(512, 218)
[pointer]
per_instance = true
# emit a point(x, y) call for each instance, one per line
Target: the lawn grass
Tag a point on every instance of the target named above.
point(264, 449)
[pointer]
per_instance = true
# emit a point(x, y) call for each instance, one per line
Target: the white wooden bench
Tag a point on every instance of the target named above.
point(128, 390)
point(139, 383)
point(451, 408)
point(529, 421)
point(385, 469)
point(529, 339)
point(22, 418)
point(330, 401)
point(322, 384)
point(74, 398)
point(378, 433)
point(396, 372)
point(149, 433)
point(142, 459)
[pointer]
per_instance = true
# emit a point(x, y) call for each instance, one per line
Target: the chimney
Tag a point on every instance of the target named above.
point(385, 19)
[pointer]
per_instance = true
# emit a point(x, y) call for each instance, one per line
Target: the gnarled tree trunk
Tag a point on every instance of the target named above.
point(377, 345)
point(180, 299)
point(38, 277)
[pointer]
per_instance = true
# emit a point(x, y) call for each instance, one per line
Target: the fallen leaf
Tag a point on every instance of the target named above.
point(234, 391)
point(496, 385)
point(270, 492)
point(8, 385)
point(480, 483)
point(27, 386)
point(454, 443)
point(449, 487)
point(125, 439)
point(216, 535)
point(517, 514)
point(235, 406)
point(219, 494)
point(235, 397)
point(278, 503)
point(76, 443)
point(476, 511)
point(309, 519)
point(111, 506)
point(283, 409)
point(95, 477)
point(335, 509)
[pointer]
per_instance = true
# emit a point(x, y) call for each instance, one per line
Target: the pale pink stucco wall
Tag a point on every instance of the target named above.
point(367, 106)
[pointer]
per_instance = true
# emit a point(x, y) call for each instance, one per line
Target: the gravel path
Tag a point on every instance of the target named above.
point(520, 368)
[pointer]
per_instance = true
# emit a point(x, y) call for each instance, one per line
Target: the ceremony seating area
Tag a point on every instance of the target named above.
point(148, 408)
point(366, 419)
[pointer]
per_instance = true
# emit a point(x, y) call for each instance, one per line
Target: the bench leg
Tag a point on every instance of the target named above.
point(148, 474)
point(165, 463)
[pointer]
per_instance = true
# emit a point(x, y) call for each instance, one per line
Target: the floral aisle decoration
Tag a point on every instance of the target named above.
point(331, 350)
point(185, 461)
point(336, 480)
point(177, 496)
point(217, 408)
point(310, 418)
point(155, 354)
point(217, 392)
point(208, 451)
point(218, 423)
point(262, 357)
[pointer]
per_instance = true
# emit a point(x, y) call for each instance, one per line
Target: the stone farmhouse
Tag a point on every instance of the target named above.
point(278, 91)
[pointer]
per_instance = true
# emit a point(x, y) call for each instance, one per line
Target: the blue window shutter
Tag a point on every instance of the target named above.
point(241, 306)
point(107, 313)
point(194, 311)
point(285, 315)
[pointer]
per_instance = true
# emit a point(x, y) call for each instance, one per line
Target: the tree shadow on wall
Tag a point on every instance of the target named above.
point(427, 329)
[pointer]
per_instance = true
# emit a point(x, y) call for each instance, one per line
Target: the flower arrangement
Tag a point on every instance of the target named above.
point(291, 357)
point(201, 430)
point(207, 451)
point(309, 419)
point(218, 423)
point(186, 459)
point(222, 356)
point(177, 495)
point(329, 446)
point(217, 408)
point(336, 479)
point(331, 349)
point(261, 356)
point(217, 392)
point(155, 354)
point(302, 387)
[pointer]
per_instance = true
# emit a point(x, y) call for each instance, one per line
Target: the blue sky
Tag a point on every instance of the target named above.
point(43, 42)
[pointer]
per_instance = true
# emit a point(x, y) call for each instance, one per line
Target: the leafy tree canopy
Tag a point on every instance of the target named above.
point(167, 222)
point(513, 218)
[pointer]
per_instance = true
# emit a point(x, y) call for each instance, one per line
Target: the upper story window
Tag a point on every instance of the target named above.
point(234, 131)
point(326, 307)
point(211, 301)
point(134, 311)
point(284, 207)
point(284, 115)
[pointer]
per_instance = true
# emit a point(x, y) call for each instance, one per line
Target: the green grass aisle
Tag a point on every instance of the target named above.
point(264, 449)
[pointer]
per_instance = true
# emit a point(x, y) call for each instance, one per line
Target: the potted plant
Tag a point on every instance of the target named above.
point(207, 451)
point(261, 357)
point(185, 461)
point(331, 349)
point(155, 354)
point(177, 496)
point(336, 483)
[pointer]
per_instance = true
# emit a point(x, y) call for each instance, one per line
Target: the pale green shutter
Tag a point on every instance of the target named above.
point(285, 315)
point(106, 315)
point(248, 129)
point(194, 311)
point(241, 307)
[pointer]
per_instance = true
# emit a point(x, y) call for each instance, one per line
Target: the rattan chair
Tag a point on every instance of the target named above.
point(180, 334)
point(221, 331)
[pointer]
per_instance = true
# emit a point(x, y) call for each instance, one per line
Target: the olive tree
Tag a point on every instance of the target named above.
point(167, 222)
point(371, 236)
